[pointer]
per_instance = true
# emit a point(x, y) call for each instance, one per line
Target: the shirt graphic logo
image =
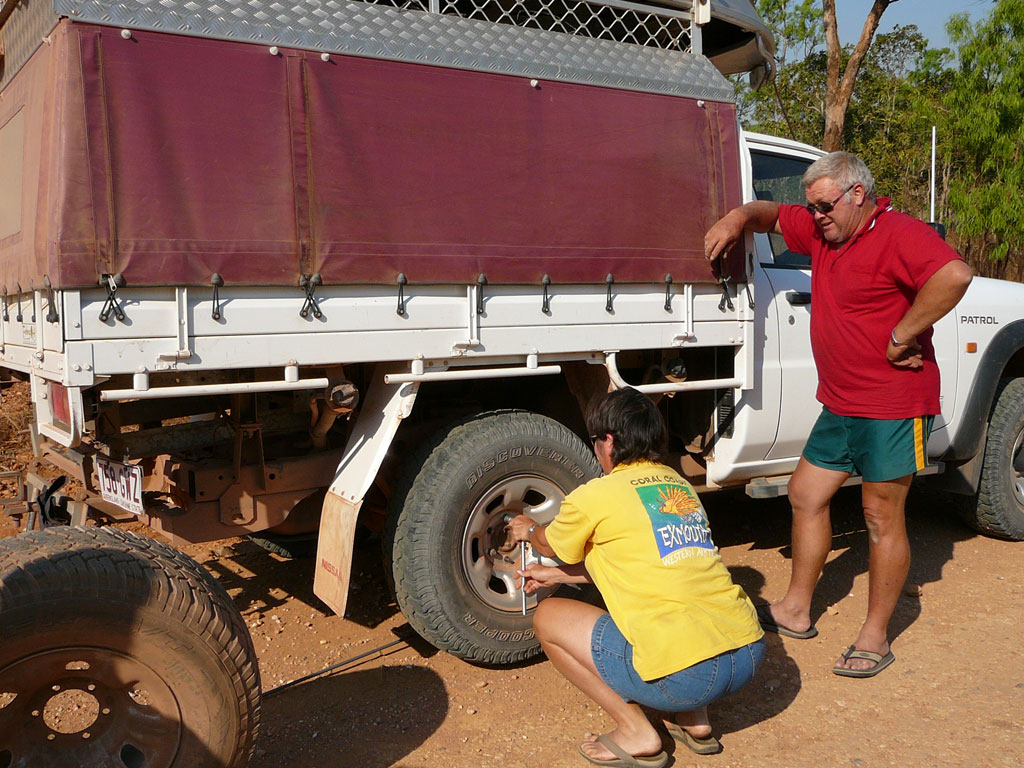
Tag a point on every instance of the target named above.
point(677, 520)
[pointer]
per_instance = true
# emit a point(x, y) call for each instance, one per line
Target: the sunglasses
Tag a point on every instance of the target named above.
point(827, 208)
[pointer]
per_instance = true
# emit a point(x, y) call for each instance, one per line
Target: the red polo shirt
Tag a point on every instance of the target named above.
point(860, 289)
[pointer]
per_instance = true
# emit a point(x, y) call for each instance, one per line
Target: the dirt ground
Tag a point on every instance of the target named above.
point(954, 697)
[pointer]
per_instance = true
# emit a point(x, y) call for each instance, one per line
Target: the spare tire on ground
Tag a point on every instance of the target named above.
point(118, 650)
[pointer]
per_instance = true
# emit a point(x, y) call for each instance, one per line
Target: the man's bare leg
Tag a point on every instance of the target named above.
point(811, 488)
point(888, 563)
point(564, 628)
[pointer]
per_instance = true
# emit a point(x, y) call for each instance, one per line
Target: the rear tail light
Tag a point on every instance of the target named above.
point(60, 406)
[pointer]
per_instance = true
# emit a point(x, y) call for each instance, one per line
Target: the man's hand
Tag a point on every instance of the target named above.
point(937, 297)
point(723, 234)
point(760, 216)
point(905, 355)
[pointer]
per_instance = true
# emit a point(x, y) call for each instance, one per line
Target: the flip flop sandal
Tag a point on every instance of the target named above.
point(708, 746)
point(623, 758)
point(880, 663)
point(769, 624)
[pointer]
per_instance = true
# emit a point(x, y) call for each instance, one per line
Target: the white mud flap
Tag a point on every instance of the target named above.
point(379, 417)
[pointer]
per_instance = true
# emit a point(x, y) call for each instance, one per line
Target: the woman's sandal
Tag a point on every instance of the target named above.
point(708, 746)
point(623, 758)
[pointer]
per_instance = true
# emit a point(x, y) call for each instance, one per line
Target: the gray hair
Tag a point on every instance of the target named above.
point(844, 169)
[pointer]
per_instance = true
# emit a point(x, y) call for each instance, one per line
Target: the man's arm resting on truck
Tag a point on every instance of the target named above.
point(759, 216)
point(937, 296)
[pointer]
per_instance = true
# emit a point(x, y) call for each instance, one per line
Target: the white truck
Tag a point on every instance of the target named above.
point(279, 270)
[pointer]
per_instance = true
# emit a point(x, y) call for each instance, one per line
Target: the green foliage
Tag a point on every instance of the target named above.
point(984, 120)
point(793, 105)
point(894, 106)
point(889, 118)
point(797, 24)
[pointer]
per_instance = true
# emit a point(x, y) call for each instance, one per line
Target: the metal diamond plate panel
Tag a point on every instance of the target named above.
point(380, 31)
point(24, 31)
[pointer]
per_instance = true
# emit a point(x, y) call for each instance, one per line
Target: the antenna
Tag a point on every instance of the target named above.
point(932, 215)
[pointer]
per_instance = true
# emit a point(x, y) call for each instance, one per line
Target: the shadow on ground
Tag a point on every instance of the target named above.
point(268, 581)
point(776, 683)
point(932, 527)
point(379, 716)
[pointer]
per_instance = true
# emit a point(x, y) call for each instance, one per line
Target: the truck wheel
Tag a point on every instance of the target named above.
point(119, 650)
point(999, 507)
point(447, 520)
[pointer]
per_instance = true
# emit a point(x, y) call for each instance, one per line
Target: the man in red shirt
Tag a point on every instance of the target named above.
point(879, 280)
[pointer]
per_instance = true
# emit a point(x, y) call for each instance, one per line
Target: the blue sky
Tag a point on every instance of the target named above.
point(930, 16)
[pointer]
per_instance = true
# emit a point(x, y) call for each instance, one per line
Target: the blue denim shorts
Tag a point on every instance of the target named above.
point(682, 691)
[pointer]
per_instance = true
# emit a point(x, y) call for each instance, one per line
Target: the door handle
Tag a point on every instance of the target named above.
point(798, 297)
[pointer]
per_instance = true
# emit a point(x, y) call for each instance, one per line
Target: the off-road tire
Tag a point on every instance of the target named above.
point(998, 508)
point(430, 512)
point(140, 631)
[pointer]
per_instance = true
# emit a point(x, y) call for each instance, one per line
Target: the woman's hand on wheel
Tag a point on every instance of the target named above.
point(539, 577)
point(519, 527)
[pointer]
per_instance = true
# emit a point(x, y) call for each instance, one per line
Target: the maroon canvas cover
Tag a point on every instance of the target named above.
point(168, 158)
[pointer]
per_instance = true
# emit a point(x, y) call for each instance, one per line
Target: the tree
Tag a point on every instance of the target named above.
point(984, 126)
point(839, 91)
point(792, 105)
point(808, 100)
point(888, 122)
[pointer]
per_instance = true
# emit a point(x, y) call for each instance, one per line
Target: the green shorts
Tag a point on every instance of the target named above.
point(877, 449)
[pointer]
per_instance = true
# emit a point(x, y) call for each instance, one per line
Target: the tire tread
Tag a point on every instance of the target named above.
point(995, 511)
point(408, 536)
point(94, 563)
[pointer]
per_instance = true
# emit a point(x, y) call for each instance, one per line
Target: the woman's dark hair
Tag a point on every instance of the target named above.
point(633, 420)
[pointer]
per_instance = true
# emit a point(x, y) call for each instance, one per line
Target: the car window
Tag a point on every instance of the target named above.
point(780, 179)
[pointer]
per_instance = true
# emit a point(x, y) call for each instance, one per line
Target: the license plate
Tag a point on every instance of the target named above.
point(120, 484)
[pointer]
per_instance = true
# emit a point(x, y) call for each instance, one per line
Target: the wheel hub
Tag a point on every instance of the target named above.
point(489, 563)
point(69, 707)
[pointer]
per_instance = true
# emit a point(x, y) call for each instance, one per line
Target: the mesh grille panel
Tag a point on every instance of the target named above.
point(616, 21)
point(402, 5)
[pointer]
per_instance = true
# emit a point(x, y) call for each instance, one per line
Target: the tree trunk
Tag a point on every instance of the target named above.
point(838, 91)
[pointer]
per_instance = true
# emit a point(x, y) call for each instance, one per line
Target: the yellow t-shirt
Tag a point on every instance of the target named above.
point(645, 538)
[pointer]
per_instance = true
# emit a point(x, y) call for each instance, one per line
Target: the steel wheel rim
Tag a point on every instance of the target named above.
point(137, 722)
point(1017, 466)
point(525, 494)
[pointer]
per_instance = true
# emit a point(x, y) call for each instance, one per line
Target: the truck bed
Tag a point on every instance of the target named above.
point(167, 158)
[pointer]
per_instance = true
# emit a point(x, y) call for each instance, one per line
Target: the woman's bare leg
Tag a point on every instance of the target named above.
point(564, 628)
